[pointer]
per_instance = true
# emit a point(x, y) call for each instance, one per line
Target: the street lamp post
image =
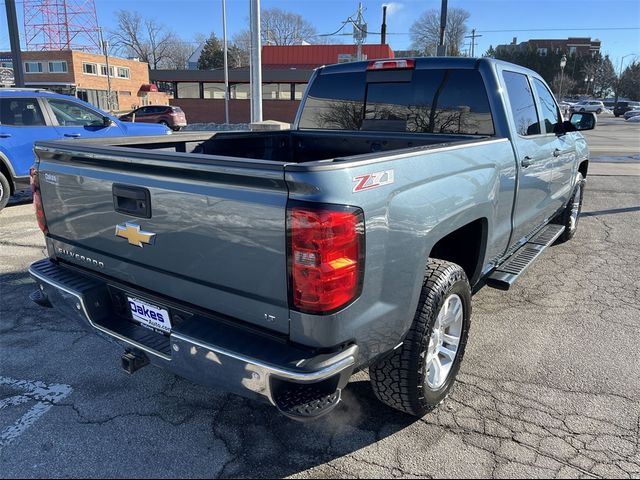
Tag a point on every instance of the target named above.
point(563, 63)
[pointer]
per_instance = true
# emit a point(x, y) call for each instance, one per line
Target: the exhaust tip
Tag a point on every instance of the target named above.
point(40, 298)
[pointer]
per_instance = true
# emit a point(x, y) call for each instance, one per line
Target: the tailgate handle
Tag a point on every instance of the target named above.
point(135, 201)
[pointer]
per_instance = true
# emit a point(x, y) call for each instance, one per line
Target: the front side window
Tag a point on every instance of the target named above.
point(90, 68)
point(20, 112)
point(549, 110)
point(58, 66)
point(523, 107)
point(73, 114)
point(33, 67)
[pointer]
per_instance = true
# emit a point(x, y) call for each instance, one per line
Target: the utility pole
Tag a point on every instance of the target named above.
point(226, 64)
point(442, 51)
point(473, 37)
point(359, 32)
point(105, 51)
point(14, 38)
point(256, 62)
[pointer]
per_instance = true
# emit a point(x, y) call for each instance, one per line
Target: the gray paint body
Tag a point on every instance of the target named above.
point(221, 221)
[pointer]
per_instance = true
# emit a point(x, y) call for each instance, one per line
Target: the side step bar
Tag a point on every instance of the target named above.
point(510, 270)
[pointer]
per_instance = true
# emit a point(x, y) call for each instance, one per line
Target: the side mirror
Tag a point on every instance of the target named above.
point(106, 122)
point(582, 121)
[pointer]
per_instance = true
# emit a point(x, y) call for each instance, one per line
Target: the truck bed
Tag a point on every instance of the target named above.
point(291, 146)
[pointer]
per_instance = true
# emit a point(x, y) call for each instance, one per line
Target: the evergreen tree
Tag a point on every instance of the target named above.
point(212, 55)
point(630, 82)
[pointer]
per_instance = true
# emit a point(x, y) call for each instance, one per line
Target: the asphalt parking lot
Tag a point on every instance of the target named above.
point(550, 383)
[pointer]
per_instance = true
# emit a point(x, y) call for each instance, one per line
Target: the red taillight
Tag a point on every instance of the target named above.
point(326, 257)
point(391, 64)
point(37, 200)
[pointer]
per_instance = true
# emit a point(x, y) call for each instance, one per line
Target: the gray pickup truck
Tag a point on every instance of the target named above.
point(275, 264)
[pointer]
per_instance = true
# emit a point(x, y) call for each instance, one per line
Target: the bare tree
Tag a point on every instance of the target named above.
point(425, 32)
point(285, 28)
point(148, 40)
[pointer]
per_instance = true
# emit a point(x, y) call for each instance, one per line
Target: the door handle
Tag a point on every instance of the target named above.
point(72, 135)
point(5, 135)
point(526, 162)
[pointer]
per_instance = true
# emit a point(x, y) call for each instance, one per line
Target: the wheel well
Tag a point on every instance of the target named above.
point(583, 167)
point(465, 247)
point(5, 171)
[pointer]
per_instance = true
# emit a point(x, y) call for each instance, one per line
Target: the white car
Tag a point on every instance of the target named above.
point(589, 106)
point(631, 113)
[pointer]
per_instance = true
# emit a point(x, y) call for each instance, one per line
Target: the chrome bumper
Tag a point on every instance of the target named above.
point(193, 352)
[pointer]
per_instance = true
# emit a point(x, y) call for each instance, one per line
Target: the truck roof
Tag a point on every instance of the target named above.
point(427, 63)
point(28, 92)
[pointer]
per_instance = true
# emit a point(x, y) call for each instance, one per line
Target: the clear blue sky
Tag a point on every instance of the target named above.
point(524, 19)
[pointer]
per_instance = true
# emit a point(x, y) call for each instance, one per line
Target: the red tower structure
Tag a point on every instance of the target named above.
point(61, 25)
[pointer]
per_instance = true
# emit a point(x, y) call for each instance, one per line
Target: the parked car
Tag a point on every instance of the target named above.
point(631, 113)
point(27, 115)
point(276, 264)
point(595, 106)
point(623, 107)
point(172, 117)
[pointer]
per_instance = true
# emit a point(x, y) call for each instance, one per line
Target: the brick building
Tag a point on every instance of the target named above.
point(285, 73)
point(84, 75)
point(568, 46)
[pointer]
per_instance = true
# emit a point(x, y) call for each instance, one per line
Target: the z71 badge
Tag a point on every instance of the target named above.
point(372, 180)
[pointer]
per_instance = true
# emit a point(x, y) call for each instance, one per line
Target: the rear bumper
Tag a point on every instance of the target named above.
point(205, 349)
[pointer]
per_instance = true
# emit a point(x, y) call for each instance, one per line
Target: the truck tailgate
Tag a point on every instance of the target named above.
point(219, 228)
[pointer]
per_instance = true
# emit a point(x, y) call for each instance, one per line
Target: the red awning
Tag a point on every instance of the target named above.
point(148, 87)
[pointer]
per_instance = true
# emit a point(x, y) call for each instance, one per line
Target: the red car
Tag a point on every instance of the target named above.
point(172, 117)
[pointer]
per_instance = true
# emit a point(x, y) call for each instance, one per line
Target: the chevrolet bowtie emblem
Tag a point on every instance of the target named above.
point(132, 232)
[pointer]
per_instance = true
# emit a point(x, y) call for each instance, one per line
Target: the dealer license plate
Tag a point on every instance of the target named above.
point(149, 316)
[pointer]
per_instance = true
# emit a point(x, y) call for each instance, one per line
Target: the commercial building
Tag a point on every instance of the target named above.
point(285, 73)
point(568, 46)
point(86, 76)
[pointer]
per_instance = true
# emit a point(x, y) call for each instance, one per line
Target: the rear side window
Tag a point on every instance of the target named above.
point(549, 110)
point(21, 112)
point(523, 107)
point(429, 101)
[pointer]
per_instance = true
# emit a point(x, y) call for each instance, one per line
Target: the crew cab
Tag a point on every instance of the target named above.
point(27, 115)
point(275, 264)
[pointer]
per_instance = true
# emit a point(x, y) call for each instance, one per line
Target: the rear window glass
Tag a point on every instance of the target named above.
point(20, 112)
point(433, 101)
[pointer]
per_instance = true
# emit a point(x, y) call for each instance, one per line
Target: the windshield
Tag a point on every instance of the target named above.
point(452, 101)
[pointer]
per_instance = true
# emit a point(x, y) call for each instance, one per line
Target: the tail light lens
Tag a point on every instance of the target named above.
point(37, 200)
point(326, 257)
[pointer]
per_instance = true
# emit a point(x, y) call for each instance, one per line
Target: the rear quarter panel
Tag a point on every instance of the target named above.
point(433, 193)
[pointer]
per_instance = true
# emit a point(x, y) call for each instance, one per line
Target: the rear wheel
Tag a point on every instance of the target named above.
point(5, 191)
point(418, 375)
point(599, 111)
point(582, 110)
point(571, 214)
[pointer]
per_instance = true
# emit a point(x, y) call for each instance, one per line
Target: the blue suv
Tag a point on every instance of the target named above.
point(27, 115)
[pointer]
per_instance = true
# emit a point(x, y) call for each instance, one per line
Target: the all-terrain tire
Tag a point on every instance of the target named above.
point(400, 378)
point(5, 191)
point(569, 217)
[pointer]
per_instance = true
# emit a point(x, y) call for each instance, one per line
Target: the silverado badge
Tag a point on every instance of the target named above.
point(132, 232)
